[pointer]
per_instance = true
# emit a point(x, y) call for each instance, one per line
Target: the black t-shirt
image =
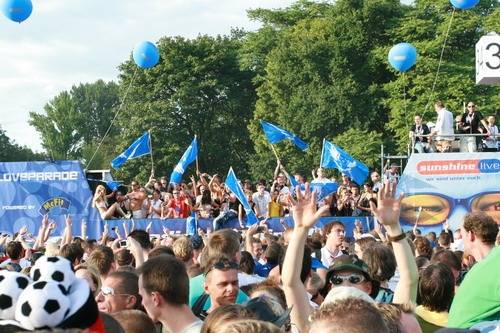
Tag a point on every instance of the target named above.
point(420, 130)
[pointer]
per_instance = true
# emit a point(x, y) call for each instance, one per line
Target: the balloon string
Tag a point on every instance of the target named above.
point(440, 60)
point(404, 100)
point(114, 118)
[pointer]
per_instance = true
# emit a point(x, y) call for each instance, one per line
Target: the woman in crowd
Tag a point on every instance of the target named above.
point(101, 203)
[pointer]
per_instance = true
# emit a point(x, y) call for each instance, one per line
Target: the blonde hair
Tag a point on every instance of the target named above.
point(97, 195)
point(223, 315)
point(94, 275)
point(183, 248)
point(250, 325)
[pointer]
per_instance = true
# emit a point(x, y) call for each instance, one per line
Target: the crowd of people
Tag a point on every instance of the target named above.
point(303, 280)
point(477, 133)
point(209, 198)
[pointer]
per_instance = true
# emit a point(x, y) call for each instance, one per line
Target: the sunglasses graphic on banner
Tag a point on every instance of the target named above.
point(435, 208)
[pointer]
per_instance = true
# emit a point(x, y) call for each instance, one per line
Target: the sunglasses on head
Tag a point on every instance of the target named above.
point(435, 208)
point(108, 291)
point(224, 266)
point(352, 279)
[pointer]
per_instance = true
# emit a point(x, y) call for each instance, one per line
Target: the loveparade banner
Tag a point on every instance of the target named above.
point(445, 187)
point(29, 190)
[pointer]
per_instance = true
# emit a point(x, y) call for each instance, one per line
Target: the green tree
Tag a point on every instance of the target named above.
point(425, 26)
point(319, 78)
point(197, 88)
point(76, 120)
point(12, 152)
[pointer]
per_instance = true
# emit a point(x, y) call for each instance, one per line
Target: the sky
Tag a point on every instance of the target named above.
point(67, 42)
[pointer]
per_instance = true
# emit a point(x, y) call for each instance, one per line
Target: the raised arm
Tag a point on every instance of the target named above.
point(84, 230)
point(68, 232)
point(387, 213)
point(305, 216)
point(41, 232)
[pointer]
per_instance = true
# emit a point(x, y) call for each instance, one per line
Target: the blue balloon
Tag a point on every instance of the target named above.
point(146, 55)
point(17, 10)
point(403, 56)
point(464, 4)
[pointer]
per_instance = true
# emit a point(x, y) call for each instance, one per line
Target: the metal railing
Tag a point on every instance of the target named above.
point(452, 138)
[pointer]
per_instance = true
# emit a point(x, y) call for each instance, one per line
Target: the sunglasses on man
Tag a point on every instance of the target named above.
point(223, 266)
point(109, 291)
point(352, 279)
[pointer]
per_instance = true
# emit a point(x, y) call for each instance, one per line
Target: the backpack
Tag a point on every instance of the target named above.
point(197, 307)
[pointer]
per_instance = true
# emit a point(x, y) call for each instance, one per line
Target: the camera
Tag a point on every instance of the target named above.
point(260, 229)
point(123, 243)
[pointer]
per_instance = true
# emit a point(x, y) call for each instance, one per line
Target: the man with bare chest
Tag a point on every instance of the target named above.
point(135, 200)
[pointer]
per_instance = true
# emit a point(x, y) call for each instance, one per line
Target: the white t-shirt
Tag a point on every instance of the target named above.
point(22, 262)
point(262, 202)
point(491, 141)
point(194, 327)
point(444, 124)
point(157, 205)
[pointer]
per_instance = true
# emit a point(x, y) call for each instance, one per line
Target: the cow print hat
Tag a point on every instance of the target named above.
point(73, 295)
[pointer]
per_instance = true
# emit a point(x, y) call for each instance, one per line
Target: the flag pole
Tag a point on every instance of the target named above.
point(197, 166)
point(322, 150)
point(151, 153)
point(274, 151)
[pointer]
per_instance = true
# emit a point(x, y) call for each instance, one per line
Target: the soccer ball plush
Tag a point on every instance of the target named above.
point(42, 304)
point(11, 285)
point(57, 269)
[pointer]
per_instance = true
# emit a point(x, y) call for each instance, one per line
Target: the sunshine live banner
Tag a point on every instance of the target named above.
point(444, 187)
point(30, 190)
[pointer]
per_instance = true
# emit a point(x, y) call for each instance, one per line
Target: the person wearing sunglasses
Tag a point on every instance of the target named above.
point(221, 281)
point(470, 124)
point(349, 271)
point(119, 291)
point(346, 271)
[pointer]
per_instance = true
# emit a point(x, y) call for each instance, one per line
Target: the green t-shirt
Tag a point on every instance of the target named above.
point(196, 290)
point(478, 297)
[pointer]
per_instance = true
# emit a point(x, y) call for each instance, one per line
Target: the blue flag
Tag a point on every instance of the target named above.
point(324, 188)
point(235, 187)
point(186, 159)
point(276, 134)
point(333, 157)
point(192, 225)
point(113, 185)
point(140, 147)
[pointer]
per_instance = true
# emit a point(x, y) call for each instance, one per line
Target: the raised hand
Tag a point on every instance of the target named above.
point(52, 225)
point(106, 230)
point(23, 230)
point(45, 221)
point(68, 220)
point(305, 213)
point(388, 206)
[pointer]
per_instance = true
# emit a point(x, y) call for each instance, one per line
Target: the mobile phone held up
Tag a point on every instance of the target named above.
point(123, 243)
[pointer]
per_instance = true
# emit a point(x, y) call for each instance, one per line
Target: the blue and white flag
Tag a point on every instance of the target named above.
point(324, 188)
point(276, 134)
point(235, 187)
point(333, 157)
point(113, 185)
point(192, 225)
point(186, 159)
point(140, 147)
